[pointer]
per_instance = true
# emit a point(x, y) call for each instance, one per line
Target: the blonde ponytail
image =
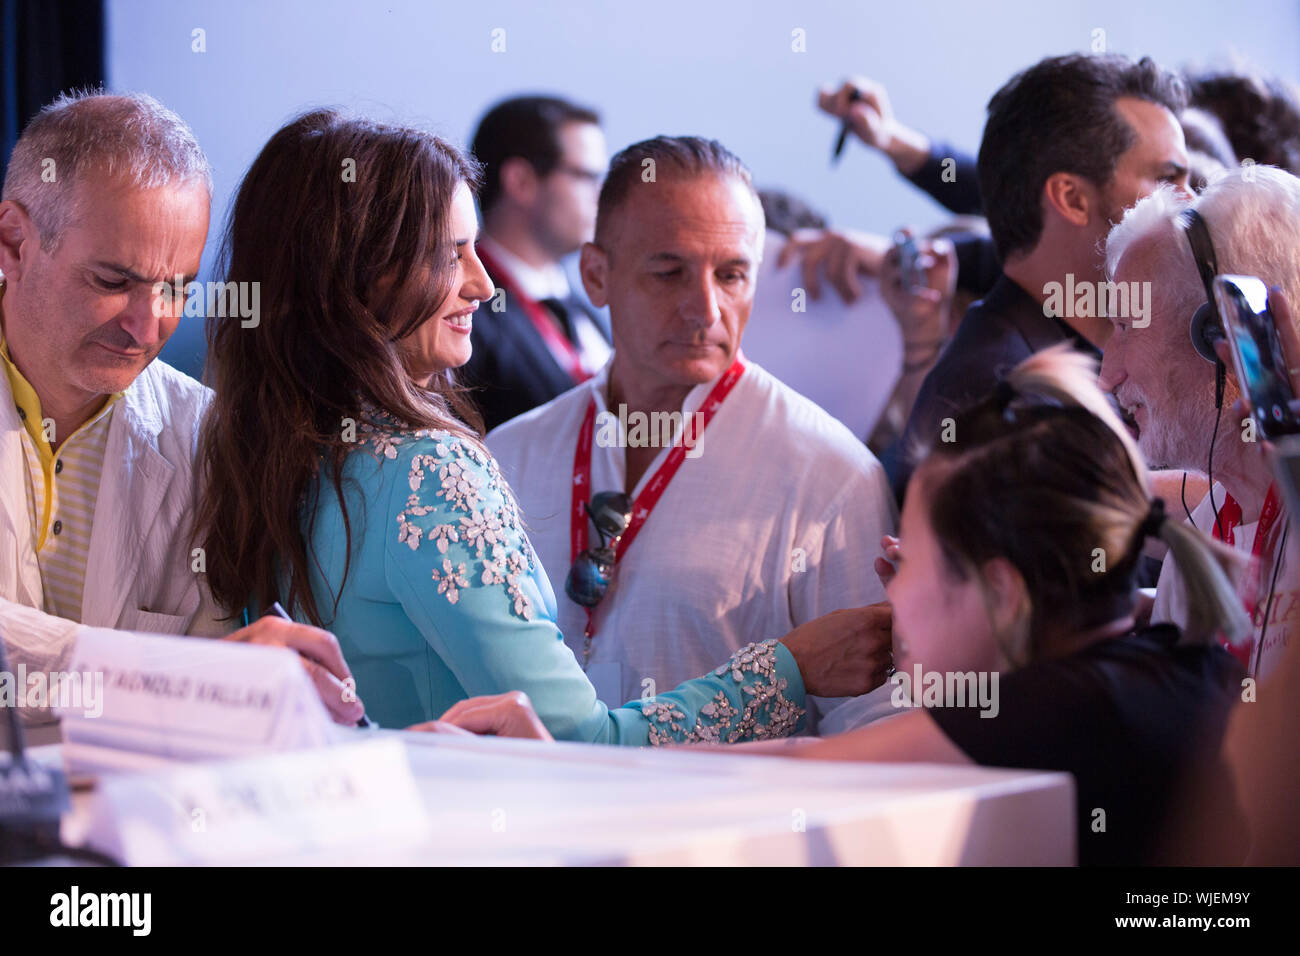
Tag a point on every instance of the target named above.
point(1213, 607)
point(1069, 377)
point(1063, 480)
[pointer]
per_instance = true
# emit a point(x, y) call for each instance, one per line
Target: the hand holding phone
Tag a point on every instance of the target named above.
point(1270, 395)
point(1256, 349)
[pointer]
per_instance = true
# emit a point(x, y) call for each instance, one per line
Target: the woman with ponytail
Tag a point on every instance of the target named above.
point(1015, 589)
point(1019, 543)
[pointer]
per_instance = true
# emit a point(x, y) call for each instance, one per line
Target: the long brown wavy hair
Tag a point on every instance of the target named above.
point(330, 207)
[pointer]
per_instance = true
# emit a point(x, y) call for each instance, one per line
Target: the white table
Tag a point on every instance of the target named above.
point(501, 802)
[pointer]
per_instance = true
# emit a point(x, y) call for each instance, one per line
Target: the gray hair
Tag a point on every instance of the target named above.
point(1156, 214)
point(130, 136)
point(1253, 214)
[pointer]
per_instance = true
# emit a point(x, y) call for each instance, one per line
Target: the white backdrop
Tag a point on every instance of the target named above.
point(723, 68)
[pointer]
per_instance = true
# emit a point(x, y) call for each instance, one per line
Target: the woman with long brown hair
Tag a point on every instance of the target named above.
point(345, 476)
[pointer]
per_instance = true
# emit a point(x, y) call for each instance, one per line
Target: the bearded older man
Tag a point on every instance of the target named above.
point(106, 201)
point(1253, 220)
point(766, 514)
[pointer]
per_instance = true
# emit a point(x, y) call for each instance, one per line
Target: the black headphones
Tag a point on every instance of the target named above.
point(1206, 330)
point(1206, 327)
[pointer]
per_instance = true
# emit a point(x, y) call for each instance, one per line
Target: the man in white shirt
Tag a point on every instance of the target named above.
point(768, 514)
point(1253, 218)
point(106, 201)
point(543, 159)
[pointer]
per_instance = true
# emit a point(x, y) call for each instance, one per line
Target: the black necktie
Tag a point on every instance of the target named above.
point(561, 313)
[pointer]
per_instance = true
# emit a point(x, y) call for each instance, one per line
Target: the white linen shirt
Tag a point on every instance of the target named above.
point(775, 523)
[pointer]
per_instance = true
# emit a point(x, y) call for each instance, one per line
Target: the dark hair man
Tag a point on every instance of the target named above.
point(543, 160)
point(1069, 144)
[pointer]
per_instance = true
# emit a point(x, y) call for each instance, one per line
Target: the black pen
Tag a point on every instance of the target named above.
point(845, 129)
point(279, 611)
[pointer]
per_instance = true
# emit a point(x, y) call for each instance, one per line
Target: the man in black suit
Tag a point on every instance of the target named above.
point(1070, 144)
point(544, 159)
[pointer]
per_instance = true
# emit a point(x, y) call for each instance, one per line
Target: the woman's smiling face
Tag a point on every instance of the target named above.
point(442, 342)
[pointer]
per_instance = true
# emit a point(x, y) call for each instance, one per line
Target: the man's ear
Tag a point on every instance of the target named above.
point(18, 239)
point(519, 181)
point(1071, 197)
point(593, 266)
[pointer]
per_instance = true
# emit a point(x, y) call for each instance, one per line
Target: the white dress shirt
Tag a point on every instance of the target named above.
point(775, 523)
point(551, 282)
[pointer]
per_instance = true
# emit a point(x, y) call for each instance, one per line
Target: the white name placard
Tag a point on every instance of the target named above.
point(190, 698)
point(261, 808)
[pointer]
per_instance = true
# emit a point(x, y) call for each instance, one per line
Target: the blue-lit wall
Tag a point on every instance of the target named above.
point(724, 68)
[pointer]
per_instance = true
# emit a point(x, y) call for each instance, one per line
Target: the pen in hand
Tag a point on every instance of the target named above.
point(280, 612)
point(845, 128)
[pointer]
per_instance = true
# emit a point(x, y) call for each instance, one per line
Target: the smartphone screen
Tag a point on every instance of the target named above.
point(1257, 353)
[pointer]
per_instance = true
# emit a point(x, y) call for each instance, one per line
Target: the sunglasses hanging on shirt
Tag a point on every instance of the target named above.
point(590, 573)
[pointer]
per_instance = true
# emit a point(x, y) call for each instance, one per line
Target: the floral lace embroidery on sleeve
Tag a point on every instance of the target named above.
point(719, 721)
point(468, 480)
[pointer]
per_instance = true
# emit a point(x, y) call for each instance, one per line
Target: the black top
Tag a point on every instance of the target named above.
point(997, 333)
point(977, 259)
point(1132, 719)
point(978, 267)
point(962, 194)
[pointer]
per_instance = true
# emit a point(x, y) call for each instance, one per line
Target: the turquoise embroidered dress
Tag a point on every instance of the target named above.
point(444, 599)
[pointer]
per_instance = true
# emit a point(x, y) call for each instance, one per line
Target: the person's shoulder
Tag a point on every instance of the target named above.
point(988, 329)
point(1164, 641)
point(408, 450)
point(421, 471)
point(1167, 695)
point(802, 421)
point(445, 489)
point(1155, 661)
point(986, 345)
point(169, 397)
point(539, 425)
point(163, 379)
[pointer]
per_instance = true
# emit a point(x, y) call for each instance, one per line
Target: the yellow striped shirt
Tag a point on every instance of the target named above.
point(61, 491)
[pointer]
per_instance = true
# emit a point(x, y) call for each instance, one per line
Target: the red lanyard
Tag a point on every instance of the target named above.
point(1229, 518)
point(654, 489)
point(564, 351)
point(1262, 546)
